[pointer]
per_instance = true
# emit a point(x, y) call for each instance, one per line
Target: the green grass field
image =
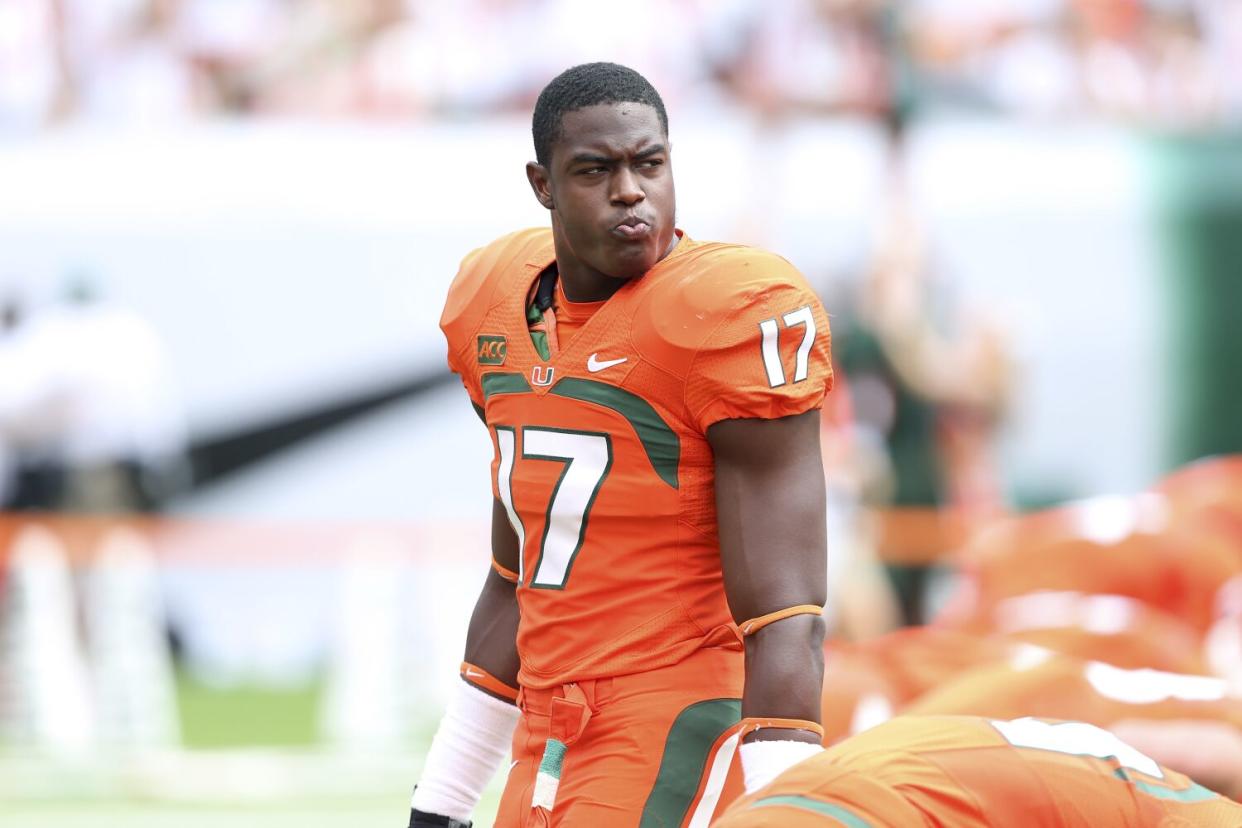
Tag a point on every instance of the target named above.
point(252, 757)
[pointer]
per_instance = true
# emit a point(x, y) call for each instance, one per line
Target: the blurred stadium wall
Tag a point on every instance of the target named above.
point(287, 266)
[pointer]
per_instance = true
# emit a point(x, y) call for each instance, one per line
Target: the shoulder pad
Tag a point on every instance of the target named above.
point(709, 285)
point(474, 290)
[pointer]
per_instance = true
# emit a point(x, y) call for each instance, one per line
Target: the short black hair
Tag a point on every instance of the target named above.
point(586, 85)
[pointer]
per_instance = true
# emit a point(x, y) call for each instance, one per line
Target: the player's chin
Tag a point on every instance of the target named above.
point(631, 261)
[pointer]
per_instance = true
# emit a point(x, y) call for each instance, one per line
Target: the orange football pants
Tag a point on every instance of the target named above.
point(656, 749)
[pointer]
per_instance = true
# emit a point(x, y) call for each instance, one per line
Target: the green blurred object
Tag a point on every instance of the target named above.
point(1199, 216)
point(247, 716)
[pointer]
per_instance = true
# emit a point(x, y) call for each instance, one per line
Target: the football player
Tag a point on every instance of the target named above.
point(971, 772)
point(1192, 723)
point(1038, 682)
point(658, 545)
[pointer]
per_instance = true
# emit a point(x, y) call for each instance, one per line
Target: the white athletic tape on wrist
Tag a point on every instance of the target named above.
point(473, 739)
point(764, 761)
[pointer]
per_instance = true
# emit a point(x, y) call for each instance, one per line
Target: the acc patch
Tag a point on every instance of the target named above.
point(492, 350)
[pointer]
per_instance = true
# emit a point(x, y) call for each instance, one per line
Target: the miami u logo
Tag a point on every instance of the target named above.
point(541, 375)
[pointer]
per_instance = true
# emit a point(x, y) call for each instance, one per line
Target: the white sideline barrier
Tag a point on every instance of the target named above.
point(135, 690)
point(364, 705)
point(396, 646)
point(46, 705)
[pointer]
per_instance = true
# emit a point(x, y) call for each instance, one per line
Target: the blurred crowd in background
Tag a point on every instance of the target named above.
point(1163, 62)
point(89, 417)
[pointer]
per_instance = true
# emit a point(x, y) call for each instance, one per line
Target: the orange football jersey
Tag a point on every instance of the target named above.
point(866, 682)
point(916, 659)
point(857, 694)
point(1204, 500)
point(969, 772)
point(1173, 571)
point(1113, 628)
point(601, 458)
point(1055, 686)
point(1212, 481)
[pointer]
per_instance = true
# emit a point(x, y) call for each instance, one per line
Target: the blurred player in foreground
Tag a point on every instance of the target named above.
point(658, 519)
point(1191, 723)
point(971, 772)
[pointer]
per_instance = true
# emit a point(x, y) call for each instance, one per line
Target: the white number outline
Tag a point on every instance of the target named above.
point(1075, 739)
point(576, 521)
point(769, 346)
point(504, 485)
point(1147, 686)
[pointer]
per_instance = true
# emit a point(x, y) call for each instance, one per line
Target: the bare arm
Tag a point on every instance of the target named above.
point(770, 506)
point(491, 641)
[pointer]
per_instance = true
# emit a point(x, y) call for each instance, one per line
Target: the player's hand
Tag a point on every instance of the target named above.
point(421, 819)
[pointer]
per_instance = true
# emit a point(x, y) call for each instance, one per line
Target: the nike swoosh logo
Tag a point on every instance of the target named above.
point(595, 365)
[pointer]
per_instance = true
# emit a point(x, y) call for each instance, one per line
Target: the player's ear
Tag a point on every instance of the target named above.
point(537, 175)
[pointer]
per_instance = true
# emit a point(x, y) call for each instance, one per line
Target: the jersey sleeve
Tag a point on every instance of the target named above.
point(476, 290)
point(769, 356)
point(469, 379)
point(460, 321)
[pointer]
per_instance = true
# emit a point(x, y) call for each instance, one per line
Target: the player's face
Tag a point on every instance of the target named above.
point(610, 182)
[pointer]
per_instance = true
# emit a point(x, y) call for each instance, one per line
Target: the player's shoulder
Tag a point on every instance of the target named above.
point(477, 287)
point(709, 283)
point(713, 280)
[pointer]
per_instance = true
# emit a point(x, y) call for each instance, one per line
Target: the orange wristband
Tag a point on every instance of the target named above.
point(473, 674)
point(508, 574)
point(754, 625)
point(752, 723)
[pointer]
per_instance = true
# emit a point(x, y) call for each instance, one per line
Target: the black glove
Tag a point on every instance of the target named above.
point(422, 819)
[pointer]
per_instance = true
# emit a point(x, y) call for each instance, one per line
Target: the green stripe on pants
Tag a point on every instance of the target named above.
point(686, 752)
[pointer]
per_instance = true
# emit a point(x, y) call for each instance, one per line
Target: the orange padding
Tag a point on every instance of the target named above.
point(476, 675)
point(448, 542)
point(508, 574)
point(754, 625)
point(752, 723)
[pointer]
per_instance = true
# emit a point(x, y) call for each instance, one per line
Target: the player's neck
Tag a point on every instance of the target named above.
point(582, 283)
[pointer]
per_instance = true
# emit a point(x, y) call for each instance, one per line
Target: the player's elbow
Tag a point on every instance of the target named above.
point(790, 648)
point(785, 668)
